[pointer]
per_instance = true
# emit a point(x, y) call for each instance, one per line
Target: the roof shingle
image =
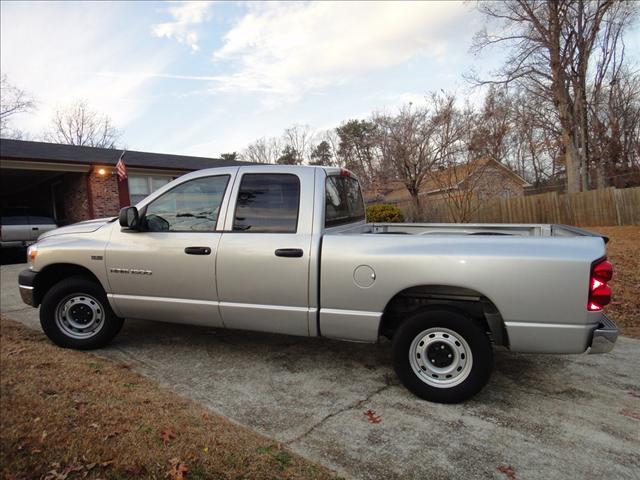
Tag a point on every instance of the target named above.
point(55, 152)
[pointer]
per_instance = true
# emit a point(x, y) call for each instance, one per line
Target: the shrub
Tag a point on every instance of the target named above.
point(384, 214)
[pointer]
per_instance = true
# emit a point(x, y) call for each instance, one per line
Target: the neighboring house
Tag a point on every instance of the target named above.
point(484, 178)
point(71, 183)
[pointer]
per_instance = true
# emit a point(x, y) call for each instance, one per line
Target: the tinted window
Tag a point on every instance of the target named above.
point(343, 201)
point(18, 220)
point(42, 220)
point(267, 203)
point(190, 207)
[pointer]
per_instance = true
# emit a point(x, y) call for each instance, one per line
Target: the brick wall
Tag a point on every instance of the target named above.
point(104, 194)
point(72, 196)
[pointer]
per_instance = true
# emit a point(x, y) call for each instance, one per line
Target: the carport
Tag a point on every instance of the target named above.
point(42, 189)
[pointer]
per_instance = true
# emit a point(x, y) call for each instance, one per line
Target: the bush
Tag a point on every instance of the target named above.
point(384, 214)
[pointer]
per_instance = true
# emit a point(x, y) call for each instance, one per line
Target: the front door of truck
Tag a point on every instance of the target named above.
point(263, 260)
point(166, 271)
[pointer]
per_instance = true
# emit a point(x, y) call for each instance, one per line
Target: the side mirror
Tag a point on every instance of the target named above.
point(129, 218)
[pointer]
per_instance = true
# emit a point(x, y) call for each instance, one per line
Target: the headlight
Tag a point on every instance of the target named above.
point(32, 253)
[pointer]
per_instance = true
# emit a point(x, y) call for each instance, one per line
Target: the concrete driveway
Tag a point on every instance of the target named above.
point(542, 416)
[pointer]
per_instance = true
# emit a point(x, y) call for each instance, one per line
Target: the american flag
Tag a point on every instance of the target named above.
point(121, 170)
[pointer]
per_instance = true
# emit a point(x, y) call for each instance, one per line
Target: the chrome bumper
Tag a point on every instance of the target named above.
point(27, 294)
point(604, 337)
point(26, 282)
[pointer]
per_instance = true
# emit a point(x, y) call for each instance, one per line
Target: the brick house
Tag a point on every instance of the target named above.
point(71, 183)
point(485, 178)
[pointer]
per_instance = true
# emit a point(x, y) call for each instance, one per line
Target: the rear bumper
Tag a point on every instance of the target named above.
point(604, 336)
point(26, 282)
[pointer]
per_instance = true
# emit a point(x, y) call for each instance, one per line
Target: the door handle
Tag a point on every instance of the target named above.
point(197, 251)
point(289, 252)
point(35, 228)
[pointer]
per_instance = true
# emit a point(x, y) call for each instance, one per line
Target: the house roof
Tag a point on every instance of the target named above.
point(451, 177)
point(55, 152)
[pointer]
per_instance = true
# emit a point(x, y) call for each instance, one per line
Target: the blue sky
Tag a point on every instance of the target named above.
point(202, 78)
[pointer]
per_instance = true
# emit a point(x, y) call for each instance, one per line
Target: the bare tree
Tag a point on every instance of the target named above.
point(79, 125)
point(615, 123)
point(263, 150)
point(554, 44)
point(418, 138)
point(13, 101)
point(300, 139)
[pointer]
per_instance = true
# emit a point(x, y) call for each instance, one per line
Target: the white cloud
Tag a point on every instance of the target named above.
point(292, 48)
point(57, 54)
point(185, 16)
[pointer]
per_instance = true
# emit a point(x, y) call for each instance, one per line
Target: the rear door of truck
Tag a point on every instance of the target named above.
point(263, 263)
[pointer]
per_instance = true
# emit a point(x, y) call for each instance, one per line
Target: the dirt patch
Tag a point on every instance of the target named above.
point(68, 414)
point(623, 250)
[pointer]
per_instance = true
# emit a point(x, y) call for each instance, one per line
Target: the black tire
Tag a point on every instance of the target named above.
point(475, 369)
point(65, 292)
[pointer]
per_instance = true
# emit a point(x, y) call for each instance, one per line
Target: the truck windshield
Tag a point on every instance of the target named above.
point(343, 201)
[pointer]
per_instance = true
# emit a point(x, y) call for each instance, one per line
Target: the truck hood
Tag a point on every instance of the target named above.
point(87, 226)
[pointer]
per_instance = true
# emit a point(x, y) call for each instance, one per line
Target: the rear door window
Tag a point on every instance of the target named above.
point(267, 203)
point(344, 202)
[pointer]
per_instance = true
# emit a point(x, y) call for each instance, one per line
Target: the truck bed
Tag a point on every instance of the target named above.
point(512, 229)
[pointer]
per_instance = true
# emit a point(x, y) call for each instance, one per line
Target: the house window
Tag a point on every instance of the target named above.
point(140, 186)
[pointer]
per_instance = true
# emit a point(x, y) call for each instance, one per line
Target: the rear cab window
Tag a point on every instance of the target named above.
point(267, 203)
point(344, 203)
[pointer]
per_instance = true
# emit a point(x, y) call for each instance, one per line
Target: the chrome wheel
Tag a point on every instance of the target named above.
point(440, 357)
point(80, 316)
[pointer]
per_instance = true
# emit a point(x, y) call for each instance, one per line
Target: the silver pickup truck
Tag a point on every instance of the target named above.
point(287, 249)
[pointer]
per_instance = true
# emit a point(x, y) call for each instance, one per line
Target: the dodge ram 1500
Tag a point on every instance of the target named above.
point(287, 249)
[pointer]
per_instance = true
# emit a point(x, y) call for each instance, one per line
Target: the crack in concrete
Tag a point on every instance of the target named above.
point(350, 406)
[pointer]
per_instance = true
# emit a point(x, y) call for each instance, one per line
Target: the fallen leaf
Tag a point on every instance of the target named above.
point(94, 425)
point(630, 413)
point(43, 437)
point(178, 470)
point(167, 435)
point(508, 471)
point(135, 470)
point(205, 416)
point(372, 417)
point(205, 449)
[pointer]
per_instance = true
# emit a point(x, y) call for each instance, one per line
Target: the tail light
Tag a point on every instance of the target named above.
point(599, 290)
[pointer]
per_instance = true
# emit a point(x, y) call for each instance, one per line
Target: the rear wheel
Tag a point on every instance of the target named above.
point(442, 355)
point(75, 313)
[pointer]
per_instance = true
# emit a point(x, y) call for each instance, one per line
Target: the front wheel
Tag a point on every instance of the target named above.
point(442, 355)
point(75, 313)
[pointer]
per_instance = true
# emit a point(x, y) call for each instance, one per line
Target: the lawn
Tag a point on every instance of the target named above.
point(68, 414)
point(623, 250)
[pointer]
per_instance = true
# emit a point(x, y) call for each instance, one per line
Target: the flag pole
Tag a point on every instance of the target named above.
point(123, 181)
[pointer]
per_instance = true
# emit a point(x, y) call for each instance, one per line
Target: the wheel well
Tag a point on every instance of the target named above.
point(52, 274)
point(470, 302)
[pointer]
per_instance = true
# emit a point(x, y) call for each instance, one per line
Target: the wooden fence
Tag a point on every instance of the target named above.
point(606, 206)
